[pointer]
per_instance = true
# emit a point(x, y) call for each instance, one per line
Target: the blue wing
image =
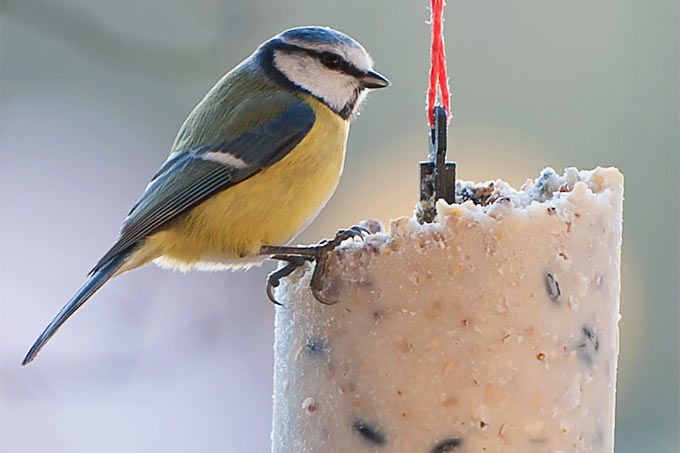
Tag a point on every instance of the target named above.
point(193, 176)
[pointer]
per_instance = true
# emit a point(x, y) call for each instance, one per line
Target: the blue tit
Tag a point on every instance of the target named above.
point(252, 165)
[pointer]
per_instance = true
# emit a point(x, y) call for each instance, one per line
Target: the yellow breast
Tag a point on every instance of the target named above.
point(269, 208)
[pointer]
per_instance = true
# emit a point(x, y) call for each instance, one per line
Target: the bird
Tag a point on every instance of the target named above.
point(251, 166)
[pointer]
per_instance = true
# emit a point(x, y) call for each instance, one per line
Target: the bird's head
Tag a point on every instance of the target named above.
point(324, 62)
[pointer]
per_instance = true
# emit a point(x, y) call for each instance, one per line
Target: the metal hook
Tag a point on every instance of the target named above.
point(437, 177)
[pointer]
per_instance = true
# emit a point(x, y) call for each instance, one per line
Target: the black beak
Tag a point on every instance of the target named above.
point(372, 79)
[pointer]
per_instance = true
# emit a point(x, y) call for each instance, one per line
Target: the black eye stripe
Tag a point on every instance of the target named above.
point(344, 66)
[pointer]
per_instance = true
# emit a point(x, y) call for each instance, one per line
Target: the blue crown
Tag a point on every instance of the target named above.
point(323, 35)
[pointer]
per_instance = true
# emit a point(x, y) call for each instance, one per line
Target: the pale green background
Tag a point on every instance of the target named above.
point(93, 92)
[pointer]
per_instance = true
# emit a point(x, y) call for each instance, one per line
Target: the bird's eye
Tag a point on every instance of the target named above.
point(331, 60)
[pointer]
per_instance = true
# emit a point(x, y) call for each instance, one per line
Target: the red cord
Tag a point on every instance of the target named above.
point(438, 63)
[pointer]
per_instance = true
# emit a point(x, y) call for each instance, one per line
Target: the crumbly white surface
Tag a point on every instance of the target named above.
point(490, 200)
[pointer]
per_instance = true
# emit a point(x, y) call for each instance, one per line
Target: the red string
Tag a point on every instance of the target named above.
point(438, 63)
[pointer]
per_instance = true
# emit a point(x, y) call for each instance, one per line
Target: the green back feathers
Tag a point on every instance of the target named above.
point(239, 102)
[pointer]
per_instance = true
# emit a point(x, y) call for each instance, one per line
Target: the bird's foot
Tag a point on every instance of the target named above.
point(297, 256)
point(274, 278)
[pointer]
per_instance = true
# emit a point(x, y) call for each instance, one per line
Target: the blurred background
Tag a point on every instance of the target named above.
point(93, 92)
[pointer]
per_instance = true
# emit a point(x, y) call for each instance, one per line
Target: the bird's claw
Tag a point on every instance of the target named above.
point(323, 252)
point(319, 253)
point(274, 278)
point(321, 261)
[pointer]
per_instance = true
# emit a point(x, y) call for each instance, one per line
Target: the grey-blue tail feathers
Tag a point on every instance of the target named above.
point(98, 278)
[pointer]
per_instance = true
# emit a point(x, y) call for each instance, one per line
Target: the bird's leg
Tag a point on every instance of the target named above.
point(319, 253)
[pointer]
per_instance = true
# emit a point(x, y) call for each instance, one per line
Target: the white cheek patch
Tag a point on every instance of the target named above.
point(334, 87)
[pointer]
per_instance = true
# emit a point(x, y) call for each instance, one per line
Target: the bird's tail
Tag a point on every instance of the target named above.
point(101, 276)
